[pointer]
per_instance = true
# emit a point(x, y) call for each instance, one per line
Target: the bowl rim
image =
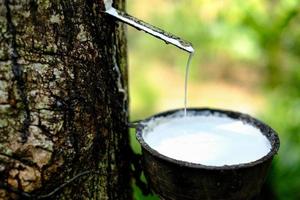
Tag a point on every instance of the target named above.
point(266, 130)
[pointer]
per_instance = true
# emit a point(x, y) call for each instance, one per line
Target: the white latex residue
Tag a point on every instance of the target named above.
point(207, 140)
point(112, 11)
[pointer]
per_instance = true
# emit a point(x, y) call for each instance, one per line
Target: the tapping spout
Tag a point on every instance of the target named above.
point(148, 28)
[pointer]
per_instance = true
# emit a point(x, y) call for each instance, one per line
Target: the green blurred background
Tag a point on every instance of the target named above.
point(247, 59)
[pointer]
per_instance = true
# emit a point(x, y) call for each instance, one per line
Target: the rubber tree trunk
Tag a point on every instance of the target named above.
point(63, 101)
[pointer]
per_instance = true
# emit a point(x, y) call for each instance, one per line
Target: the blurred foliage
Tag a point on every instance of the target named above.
point(247, 59)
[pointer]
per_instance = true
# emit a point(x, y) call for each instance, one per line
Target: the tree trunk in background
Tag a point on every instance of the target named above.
point(63, 101)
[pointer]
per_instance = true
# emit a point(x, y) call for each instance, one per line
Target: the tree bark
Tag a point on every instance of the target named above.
point(63, 101)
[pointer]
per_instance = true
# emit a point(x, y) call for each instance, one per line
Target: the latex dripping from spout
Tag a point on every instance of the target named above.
point(168, 38)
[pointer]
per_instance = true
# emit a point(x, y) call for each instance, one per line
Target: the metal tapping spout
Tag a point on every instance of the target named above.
point(148, 28)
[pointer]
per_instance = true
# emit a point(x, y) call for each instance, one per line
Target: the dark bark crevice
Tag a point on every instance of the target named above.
point(18, 73)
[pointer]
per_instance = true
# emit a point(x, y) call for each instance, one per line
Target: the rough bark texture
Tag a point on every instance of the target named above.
point(63, 101)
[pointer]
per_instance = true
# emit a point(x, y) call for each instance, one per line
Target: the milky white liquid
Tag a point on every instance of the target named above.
point(187, 69)
point(208, 140)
